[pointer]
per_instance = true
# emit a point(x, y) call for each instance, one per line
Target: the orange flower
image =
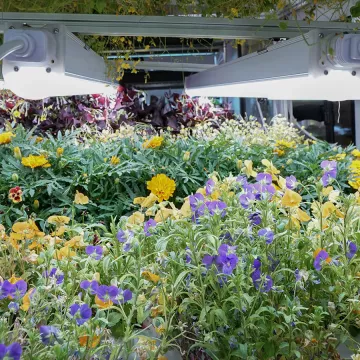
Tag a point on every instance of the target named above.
point(89, 342)
point(102, 304)
point(150, 276)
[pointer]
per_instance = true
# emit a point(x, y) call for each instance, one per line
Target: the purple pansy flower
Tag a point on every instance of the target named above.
point(187, 255)
point(320, 257)
point(123, 296)
point(267, 234)
point(49, 334)
point(106, 293)
point(255, 218)
point(256, 277)
point(19, 289)
point(82, 313)
point(246, 198)
point(11, 352)
point(264, 178)
point(329, 167)
point(209, 187)
point(242, 180)
point(6, 289)
point(55, 274)
point(94, 251)
point(123, 236)
point(91, 285)
point(297, 274)
point(326, 179)
point(197, 205)
point(216, 206)
point(225, 261)
point(208, 260)
point(291, 182)
point(352, 250)
point(149, 224)
point(14, 307)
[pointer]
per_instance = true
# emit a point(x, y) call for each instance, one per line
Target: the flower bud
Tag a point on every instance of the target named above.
point(117, 181)
point(186, 156)
point(17, 153)
point(15, 177)
point(289, 162)
point(239, 164)
point(36, 204)
point(96, 277)
point(59, 151)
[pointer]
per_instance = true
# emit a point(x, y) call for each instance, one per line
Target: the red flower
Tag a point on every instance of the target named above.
point(15, 194)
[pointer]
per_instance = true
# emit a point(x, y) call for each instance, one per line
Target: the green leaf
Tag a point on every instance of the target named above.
point(283, 25)
point(114, 318)
point(355, 10)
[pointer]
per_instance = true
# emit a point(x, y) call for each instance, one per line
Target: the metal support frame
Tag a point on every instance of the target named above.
point(171, 66)
point(170, 26)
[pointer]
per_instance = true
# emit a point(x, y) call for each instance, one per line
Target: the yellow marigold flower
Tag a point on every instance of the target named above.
point(279, 152)
point(153, 143)
point(248, 169)
point(137, 218)
point(291, 199)
point(114, 160)
point(26, 300)
point(355, 153)
point(90, 342)
point(38, 139)
point(64, 252)
point(285, 144)
point(338, 157)
point(58, 220)
point(17, 153)
point(161, 186)
point(35, 161)
point(147, 275)
point(80, 198)
point(146, 202)
point(59, 151)
point(5, 137)
point(102, 304)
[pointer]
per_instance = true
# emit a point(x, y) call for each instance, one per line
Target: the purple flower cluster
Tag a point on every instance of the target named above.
point(262, 189)
point(55, 275)
point(11, 352)
point(14, 291)
point(148, 225)
point(267, 234)
point(107, 293)
point(82, 313)
point(225, 261)
point(49, 334)
point(329, 171)
point(94, 251)
point(198, 206)
point(352, 250)
point(125, 237)
point(267, 283)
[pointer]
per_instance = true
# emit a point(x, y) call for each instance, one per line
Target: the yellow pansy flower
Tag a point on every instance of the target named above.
point(248, 169)
point(103, 304)
point(80, 198)
point(146, 202)
point(147, 275)
point(291, 199)
point(137, 218)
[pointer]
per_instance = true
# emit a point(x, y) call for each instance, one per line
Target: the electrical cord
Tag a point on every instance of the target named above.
point(10, 47)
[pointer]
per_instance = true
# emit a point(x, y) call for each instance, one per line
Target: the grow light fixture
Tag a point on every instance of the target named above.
point(316, 66)
point(51, 61)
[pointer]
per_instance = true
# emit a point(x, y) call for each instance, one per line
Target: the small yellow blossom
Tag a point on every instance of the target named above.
point(59, 151)
point(355, 153)
point(80, 198)
point(153, 143)
point(114, 160)
point(150, 276)
point(17, 153)
point(35, 161)
point(186, 156)
point(5, 137)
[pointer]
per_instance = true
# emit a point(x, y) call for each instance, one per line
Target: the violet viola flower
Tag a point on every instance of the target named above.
point(94, 251)
point(256, 277)
point(209, 187)
point(91, 285)
point(246, 198)
point(326, 179)
point(267, 234)
point(226, 261)
point(187, 255)
point(11, 352)
point(216, 206)
point(54, 274)
point(149, 224)
point(6, 289)
point(255, 218)
point(329, 167)
point(298, 275)
point(264, 178)
point(14, 307)
point(19, 290)
point(197, 205)
point(291, 182)
point(352, 250)
point(49, 334)
point(242, 180)
point(124, 236)
point(82, 313)
point(208, 260)
point(106, 293)
point(320, 257)
point(123, 296)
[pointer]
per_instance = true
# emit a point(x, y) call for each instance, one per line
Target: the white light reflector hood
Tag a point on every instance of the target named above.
point(315, 66)
point(53, 62)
